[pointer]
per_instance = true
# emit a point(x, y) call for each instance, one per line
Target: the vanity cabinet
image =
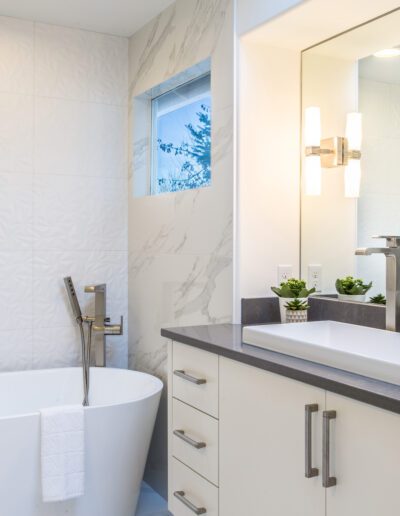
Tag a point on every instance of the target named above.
point(262, 452)
point(261, 442)
point(193, 437)
point(365, 452)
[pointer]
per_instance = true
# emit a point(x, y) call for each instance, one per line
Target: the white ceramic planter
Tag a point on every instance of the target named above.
point(347, 297)
point(294, 316)
point(283, 301)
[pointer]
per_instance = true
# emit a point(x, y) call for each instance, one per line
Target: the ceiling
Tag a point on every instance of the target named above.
point(118, 17)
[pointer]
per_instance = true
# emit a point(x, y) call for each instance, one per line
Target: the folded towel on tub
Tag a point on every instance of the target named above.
point(62, 453)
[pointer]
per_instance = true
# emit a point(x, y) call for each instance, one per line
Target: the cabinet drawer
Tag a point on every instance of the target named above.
point(195, 378)
point(202, 454)
point(192, 489)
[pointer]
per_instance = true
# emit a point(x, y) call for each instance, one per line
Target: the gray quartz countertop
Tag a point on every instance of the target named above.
point(226, 340)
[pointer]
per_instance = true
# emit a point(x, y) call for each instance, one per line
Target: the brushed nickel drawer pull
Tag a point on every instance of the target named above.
point(196, 444)
point(181, 497)
point(189, 378)
point(327, 480)
point(309, 470)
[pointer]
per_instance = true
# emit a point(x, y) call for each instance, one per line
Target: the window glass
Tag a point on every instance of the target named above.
point(181, 138)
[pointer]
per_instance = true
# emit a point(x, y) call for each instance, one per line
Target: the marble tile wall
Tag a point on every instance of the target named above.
point(63, 198)
point(180, 244)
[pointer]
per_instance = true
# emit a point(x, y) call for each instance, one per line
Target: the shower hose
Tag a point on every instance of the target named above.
point(86, 344)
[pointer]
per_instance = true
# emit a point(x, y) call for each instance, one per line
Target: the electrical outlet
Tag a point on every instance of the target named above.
point(284, 273)
point(315, 277)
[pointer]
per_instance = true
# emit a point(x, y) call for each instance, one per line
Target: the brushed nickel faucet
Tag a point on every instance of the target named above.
point(101, 324)
point(97, 324)
point(392, 253)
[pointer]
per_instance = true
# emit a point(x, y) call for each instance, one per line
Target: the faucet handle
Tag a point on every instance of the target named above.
point(114, 329)
point(110, 329)
point(391, 240)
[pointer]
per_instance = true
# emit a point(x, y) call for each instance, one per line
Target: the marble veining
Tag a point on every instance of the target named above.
point(158, 33)
point(180, 244)
point(205, 24)
point(214, 266)
point(184, 34)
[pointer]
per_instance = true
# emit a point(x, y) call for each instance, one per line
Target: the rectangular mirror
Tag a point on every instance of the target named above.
point(351, 186)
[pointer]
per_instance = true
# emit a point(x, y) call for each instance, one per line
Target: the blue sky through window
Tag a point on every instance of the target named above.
point(182, 127)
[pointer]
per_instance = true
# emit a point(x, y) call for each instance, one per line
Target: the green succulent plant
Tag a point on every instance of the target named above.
point(296, 305)
point(293, 288)
point(351, 286)
point(379, 299)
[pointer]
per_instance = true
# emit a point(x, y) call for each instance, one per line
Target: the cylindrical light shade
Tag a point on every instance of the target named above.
point(312, 175)
point(354, 131)
point(352, 178)
point(312, 127)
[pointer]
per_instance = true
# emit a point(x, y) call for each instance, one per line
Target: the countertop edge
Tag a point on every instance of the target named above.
point(343, 388)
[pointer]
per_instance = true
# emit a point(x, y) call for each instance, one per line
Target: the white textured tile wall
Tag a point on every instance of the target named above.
point(16, 55)
point(63, 187)
point(180, 245)
point(87, 138)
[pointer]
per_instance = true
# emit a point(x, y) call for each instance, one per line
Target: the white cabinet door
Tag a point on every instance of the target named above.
point(365, 459)
point(262, 444)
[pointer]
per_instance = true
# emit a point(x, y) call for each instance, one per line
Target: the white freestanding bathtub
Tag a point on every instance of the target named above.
point(118, 427)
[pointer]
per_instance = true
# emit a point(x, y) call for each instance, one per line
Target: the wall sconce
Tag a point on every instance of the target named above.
point(312, 137)
point(332, 152)
point(352, 172)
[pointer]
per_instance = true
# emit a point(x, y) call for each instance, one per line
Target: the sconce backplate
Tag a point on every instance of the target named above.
point(333, 152)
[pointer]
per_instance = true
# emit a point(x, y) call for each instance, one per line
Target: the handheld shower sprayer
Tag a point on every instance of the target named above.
point(73, 299)
point(76, 309)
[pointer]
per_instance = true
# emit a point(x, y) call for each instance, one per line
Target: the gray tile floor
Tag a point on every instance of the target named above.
point(151, 503)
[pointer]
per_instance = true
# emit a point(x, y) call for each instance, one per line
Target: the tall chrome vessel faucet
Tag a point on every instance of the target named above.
point(101, 327)
point(392, 253)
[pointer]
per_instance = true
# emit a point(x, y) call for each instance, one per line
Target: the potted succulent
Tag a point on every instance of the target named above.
point(379, 299)
point(291, 289)
point(296, 310)
point(352, 289)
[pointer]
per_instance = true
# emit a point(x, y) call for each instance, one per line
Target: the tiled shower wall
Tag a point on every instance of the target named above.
point(63, 199)
point(180, 244)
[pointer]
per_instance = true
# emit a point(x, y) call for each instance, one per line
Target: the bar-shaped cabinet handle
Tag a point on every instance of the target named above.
point(327, 480)
point(189, 378)
point(196, 444)
point(182, 498)
point(310, 472)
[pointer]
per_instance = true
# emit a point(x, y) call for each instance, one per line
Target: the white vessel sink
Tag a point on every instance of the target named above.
point(358, 349)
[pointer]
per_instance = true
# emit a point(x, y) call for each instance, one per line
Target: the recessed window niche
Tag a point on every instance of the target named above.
point(171, 131)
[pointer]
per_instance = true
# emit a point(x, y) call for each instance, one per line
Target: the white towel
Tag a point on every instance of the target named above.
point(63, 454)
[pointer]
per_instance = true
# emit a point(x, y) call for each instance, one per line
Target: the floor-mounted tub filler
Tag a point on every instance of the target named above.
point(118, 428)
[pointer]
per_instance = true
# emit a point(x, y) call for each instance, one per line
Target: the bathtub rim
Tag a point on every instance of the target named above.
point(159, 386)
